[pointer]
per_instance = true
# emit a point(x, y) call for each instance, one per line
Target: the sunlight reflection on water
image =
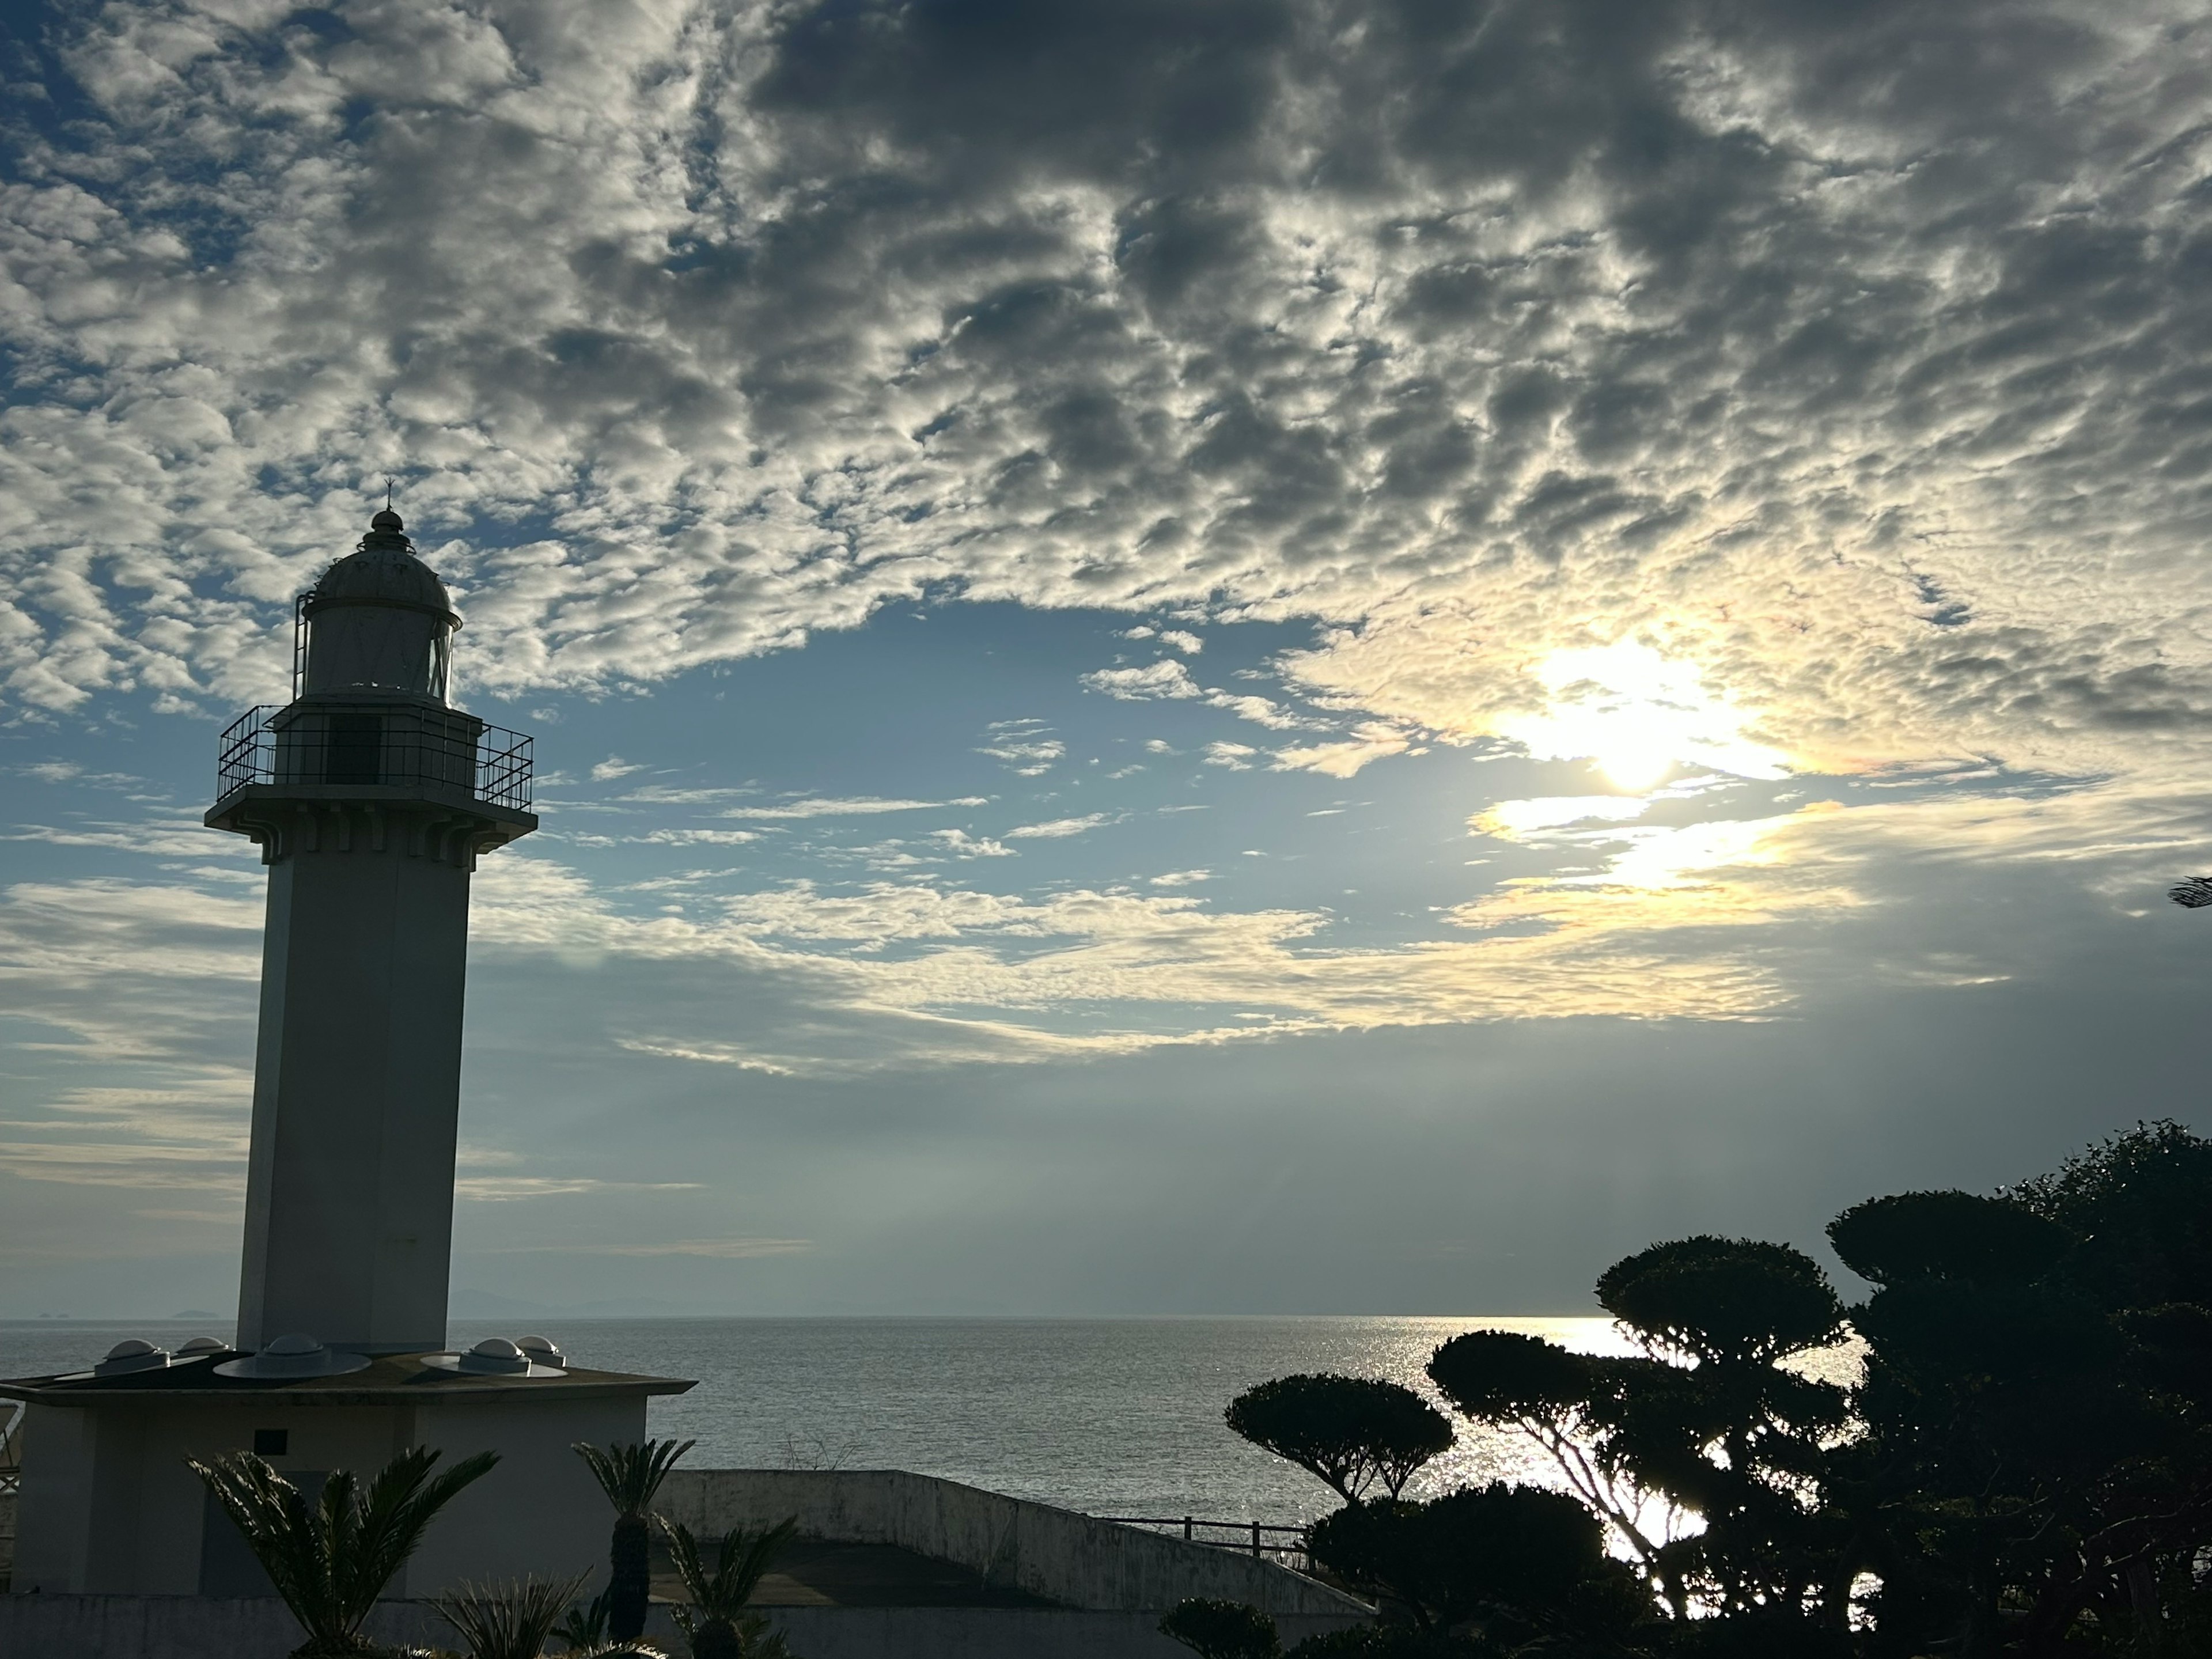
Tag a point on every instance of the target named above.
point(1110, 1416)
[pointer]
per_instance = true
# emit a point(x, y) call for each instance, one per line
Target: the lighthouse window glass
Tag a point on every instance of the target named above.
point(355, 744)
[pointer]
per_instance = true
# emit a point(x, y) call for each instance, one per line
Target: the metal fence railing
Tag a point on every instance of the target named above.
point(1257, 1537)
point(365, 743)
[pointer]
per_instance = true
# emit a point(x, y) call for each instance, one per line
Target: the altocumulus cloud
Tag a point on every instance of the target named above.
point(1837, 351)
point(1849, 362)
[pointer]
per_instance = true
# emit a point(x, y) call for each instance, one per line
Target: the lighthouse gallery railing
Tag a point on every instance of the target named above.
point(399, 743)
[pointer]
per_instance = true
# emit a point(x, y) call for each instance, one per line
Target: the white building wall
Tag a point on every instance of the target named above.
point(109, 1506)
point(539, 1511)
point(349, 1190)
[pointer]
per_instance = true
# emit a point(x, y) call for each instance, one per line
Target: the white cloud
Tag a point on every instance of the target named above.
point(614, 766)
point(1164, 678)
point(853, 807)
point(1373, 740)
point(505, 1189)
point(959, 841)
point(1053, 828)
point(1235, 757)
point(1026, 755)
point(672, 838)
point(1517, 820)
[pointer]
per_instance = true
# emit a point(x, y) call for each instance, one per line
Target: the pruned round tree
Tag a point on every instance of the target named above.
point(1350, 1432)
point(1956, 1236)
point(1515, 1560)
point(1724, 1301)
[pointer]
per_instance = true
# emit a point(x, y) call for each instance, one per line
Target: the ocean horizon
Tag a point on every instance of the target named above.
point(1118, 1416)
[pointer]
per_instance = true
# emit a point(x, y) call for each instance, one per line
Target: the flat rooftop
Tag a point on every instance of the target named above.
point(389, 1379)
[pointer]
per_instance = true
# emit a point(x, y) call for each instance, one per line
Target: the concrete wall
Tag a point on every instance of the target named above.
point(1067, 1558)
point(180, 1627)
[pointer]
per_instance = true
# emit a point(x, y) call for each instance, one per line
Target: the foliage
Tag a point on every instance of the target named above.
point(630, 1476)
point(1222, 1630)
point(1349, 1431)
point(583, 1627)
point(1710, 1422)
point(1510, 1564)
point(1954, 1235)
point(510, 1620)
point(2024, 1467)
point(332, 1560)
point(1723, 1301)
point(1506, 1379)
point(2140, 1204)
point(716, 1623)
point(2037, 1472)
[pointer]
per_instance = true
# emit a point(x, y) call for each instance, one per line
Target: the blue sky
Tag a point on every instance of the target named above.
point(1290, 657)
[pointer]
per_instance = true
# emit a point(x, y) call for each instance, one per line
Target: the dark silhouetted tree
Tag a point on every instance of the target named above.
point(1222, 1630)
point(2035, 1475)
point(1348, 1430)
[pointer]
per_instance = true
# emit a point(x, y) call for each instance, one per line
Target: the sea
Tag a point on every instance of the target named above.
point(1112, 1417)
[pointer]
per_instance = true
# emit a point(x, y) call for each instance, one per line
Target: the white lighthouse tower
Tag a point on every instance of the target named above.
point(371, 798)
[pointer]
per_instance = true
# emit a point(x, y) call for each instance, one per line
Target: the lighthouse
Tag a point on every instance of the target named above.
point(371, 798)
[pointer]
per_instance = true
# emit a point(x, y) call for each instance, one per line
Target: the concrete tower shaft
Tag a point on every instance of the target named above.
point(371, 800)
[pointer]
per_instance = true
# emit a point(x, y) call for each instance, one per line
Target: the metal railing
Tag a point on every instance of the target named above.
point(375, 744)
point(1252, 1537)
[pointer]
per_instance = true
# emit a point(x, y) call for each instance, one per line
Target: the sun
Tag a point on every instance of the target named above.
point(1638, 716)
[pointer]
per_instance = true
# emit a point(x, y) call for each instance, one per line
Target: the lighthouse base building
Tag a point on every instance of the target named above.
point(371, 799)
point(109, 1507)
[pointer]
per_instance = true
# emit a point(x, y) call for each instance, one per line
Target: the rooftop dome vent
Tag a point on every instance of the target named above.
point(294, 1355)
point(131, 1355)
point(497, 1356)
point(542, 1349)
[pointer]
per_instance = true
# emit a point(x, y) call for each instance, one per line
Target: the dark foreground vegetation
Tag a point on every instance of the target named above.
point(330, 1559)
point(2024, 1467)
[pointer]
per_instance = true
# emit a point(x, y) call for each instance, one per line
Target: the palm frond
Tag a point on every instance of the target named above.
point(584, 1628)
point(509, 1620)
point(282, 1533)
point(741, 1562)
point(330, 1562)
point(389, 1521)
point(630, 1475)
point(2194, 894)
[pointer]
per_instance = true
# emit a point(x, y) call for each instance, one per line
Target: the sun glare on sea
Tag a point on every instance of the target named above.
point(1638, 715)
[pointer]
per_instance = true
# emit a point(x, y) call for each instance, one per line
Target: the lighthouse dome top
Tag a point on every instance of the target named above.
point(380, 622)
point(383, 570)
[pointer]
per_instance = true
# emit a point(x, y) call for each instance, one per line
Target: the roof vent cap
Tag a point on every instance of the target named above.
point(495, 1356)
point(293, 1354)
point(132, 1355)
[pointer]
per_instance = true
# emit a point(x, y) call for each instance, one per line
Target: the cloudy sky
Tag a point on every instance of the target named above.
point(1245, 657)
